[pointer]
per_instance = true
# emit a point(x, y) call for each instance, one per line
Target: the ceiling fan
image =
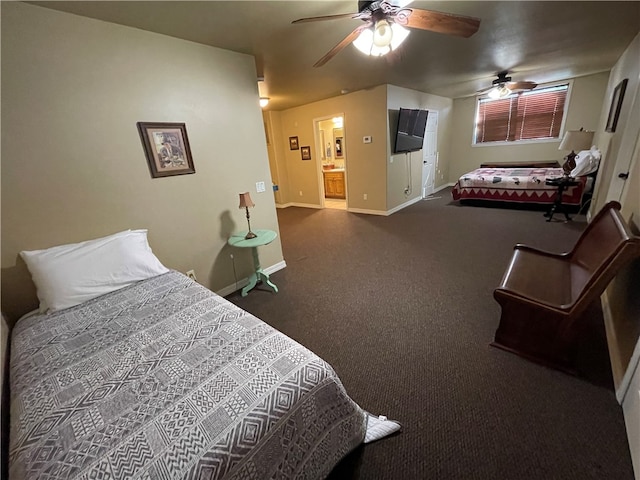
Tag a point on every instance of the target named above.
point(503, 86)
point(384, 27)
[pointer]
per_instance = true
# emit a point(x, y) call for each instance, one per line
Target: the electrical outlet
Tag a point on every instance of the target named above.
point(300, 192)
point(192, 275)
point(364, 197)
point(260, 187)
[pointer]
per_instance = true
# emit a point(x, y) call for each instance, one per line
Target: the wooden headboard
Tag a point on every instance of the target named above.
point(520, 164)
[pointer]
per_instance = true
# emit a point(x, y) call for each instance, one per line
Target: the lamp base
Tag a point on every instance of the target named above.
point(570, 164)
point(250, 235)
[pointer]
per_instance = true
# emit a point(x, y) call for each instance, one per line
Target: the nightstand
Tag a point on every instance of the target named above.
point(562, 183)
point(263, 237)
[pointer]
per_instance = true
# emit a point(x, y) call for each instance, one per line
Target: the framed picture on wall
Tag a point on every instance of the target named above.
point(306, 153)
point(293, 143)
point(616, 106)
point(167, 148)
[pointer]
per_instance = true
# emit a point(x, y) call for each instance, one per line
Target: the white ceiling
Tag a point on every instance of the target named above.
point(538, 41)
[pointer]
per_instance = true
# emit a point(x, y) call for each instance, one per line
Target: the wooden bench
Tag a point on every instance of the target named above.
point(545, 296)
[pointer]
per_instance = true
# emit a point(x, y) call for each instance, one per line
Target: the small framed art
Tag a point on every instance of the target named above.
point(306, 153)
point(167, 148)
point(616, 106)
point(293, 143)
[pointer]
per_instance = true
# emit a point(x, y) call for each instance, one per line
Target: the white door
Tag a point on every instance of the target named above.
point(430, 154)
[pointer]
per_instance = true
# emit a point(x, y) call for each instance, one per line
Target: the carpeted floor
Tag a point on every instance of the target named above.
point(402, 308)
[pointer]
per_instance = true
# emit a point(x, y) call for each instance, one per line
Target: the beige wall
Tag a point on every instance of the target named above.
point(398, 165)
point(364, 114)
point(621, 144)
point(621, 149)
point(73, 166)
point(585, 102)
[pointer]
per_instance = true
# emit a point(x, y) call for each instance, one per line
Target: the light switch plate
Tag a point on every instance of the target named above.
point(260, 187)
point(366, 139)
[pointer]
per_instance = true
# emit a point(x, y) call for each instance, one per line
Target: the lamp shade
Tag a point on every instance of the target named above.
point(576, 140)
point(245, 200)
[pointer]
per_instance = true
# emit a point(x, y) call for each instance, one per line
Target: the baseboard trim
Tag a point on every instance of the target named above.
point(364, 210)
point(404, 205)
point(368, 212)
point(442, 187)
point(296, 204)
point(229, 289)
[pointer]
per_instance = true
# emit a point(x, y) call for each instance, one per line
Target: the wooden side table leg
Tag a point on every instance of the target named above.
point(265, 279)
point(253, 279)
point(258, 276)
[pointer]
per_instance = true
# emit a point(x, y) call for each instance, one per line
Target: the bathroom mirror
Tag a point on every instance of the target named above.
point(338, 142)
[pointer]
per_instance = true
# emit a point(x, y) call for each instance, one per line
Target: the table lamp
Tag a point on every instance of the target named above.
point(246, 202)
point(574, 140)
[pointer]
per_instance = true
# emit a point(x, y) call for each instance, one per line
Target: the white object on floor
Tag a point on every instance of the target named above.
point(379, 427)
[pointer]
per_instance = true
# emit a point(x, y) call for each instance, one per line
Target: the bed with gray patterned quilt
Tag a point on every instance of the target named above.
point(165, 379)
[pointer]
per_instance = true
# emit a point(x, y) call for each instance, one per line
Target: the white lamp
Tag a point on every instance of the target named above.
point(574, 140)
point(381, 38)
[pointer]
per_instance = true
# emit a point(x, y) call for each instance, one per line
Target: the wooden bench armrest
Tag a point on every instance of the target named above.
point(546, 253)
point(526, 297)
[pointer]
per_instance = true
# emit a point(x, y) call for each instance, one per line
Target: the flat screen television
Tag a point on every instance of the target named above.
point(410, 133)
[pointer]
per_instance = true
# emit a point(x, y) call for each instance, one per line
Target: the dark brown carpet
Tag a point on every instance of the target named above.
point(402, 307)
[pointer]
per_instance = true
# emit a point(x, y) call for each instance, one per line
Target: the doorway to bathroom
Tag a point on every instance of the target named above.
point(331, 150)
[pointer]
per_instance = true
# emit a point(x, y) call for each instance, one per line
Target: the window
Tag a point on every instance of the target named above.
point(521, 116)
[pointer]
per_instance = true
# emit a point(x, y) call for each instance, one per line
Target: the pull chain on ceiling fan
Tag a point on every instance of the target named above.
point(386, 27)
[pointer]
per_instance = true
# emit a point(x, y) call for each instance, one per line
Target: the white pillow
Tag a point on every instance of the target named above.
point(68, 275)
point(587, 162)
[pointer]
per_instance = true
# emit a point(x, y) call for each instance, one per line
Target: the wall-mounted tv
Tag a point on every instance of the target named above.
point(410, 132)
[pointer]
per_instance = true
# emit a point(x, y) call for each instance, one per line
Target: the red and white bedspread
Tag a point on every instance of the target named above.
point(522, 185)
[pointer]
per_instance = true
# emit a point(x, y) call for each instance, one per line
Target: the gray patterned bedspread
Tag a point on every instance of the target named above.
point(165, 379)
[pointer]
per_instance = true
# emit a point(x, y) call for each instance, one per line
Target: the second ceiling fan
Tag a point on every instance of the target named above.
point(503, 86)
point(384, 27)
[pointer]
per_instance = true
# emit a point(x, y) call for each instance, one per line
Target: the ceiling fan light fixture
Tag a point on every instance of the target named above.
point(500, 91)
point(382, 34)
point(366, 41)
point(400, 34)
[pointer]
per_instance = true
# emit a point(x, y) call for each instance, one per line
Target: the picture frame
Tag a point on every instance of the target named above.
point(167, 149)
point(293, 143)
point(305, 152)
point(616, 106)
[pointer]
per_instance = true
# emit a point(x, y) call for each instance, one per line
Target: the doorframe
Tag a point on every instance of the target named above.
point(318, 149)
point(431, 114)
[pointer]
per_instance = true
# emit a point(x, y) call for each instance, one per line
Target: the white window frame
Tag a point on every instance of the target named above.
point(565, 112)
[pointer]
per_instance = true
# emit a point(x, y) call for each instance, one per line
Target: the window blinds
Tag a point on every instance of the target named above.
point(521, 116)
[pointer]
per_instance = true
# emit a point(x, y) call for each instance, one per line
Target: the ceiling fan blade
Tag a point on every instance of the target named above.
point(326, 17)
point(485, 90)
point(338, 48)
point(446, 23)
point(521, 85)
